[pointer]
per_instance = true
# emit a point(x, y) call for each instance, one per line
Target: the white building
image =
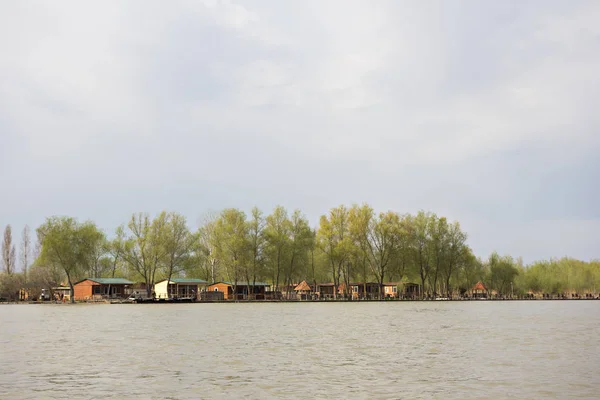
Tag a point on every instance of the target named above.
point(180, 288)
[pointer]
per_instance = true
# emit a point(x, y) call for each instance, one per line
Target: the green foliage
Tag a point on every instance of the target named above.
point(353, 244)
point(69, 245)
point(559, 276)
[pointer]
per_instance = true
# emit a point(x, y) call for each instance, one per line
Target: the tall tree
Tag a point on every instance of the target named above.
point(143, 252)
point(8, 251)
point(115, 248)
point(257, 242)
point(277, 233)
point(457, 252)
point(25, 250)
point(178, 244)
point(207, 244)
point(379, 237)
point(68, 244)
point(300, 240)
point(438, 245)
point(421, 246)
point(231, 243)
point(334, 240)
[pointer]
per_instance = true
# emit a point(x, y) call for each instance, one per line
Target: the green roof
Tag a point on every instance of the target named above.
point(111, 281)
point(248, 284)
point(187, 280)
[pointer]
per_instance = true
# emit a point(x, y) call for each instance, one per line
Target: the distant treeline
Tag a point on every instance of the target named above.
point(351, 244)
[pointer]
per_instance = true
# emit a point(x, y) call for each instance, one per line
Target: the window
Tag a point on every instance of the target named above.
point(354, 289)
point(394, 289)
point(216, 289)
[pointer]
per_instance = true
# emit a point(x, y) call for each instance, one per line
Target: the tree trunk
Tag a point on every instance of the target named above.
point(72, 289)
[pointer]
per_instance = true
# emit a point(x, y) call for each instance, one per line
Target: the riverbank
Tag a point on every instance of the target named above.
point(114, 301)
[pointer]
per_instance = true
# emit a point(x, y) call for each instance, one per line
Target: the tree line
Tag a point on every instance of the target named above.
point(350, 244)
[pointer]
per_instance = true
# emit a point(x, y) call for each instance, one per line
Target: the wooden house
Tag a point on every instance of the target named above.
point(98, 288)
point(411, 290)
point(363, 290)
point(241, 290)
point(179, 288)
point(479, 291)
point(390, 290)
point(326, 290)
point(303, 291)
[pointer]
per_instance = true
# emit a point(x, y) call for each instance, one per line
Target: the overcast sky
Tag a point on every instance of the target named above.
point(486, 112)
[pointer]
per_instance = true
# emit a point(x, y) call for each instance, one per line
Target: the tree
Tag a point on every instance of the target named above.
point(421, 246)
point(206, 244)
point(142, 251)
point(25, 250)
point(8, 251)
point(300, 241)
point(231, 243)
point(457, 252)
point(178, 243)
point(116, 250)
point(96, 265)
point(257, 243)
point(68, 244)
point(277, 233)
point(334, 240)
point(503, 273)
point(438, 243)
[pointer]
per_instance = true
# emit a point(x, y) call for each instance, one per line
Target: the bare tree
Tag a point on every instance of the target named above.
point(8, 251)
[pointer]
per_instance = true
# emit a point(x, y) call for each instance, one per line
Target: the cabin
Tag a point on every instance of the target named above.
point(390, 290)
point(303, 291)
point(479, 291)
point(362, 290)
point(62, 293)
point(243, 290)
point(411, 290)
point(99, 288)
point(325, 290)
point(138, 289)
point(179, 288)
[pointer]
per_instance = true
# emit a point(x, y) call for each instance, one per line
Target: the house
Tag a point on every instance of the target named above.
point(138, 289)
point(179, 288)
point(303, 291)
point(411, 290)
point(362, 290)
point(98, 288)
point(243, 290)
point(390, 290)
point(325, 290)
point(62, 293)
point(479, 291)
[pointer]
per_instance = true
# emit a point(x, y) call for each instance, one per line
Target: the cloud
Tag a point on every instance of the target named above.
point(482, 112)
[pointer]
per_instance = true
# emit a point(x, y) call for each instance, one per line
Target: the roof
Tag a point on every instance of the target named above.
point(244, 283)
point(108, 281)
point(185, 280)
point(302, 286)
point(479, 286)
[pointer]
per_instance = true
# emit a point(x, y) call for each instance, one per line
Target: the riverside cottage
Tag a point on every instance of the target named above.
point(243, 290)
point(479, 291)
point(179, 288)
point(99, 288)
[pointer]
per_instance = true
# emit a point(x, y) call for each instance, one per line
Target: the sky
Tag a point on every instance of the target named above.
point(483, 112)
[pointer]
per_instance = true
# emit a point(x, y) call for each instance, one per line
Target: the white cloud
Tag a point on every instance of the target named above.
point(406, 105)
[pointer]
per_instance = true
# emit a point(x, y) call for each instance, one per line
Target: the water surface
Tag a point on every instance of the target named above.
point(389, 350)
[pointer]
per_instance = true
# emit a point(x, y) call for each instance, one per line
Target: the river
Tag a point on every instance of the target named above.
point(388, 350)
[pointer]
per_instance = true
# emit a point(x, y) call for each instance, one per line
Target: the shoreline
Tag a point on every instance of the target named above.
point(289, 301)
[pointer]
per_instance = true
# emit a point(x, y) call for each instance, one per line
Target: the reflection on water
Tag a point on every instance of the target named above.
point(385, 350)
